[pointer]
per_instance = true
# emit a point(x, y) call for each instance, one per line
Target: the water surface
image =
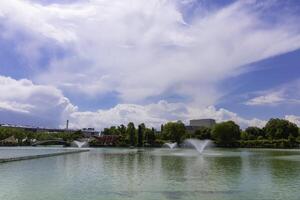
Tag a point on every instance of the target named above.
point(116, 173)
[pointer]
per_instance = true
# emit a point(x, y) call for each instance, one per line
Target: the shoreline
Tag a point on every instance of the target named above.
point(14, 159)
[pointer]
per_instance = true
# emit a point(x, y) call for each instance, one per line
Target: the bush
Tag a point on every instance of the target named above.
point(226, 133)
point(280, 143)
point(280, 129)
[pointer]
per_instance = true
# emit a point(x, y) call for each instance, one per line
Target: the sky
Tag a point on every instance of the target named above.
point(99, 63)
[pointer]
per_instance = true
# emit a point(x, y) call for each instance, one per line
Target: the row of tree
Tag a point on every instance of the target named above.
point(132, 136)
point(25, 136)
point(276, 133)
point(279, 132)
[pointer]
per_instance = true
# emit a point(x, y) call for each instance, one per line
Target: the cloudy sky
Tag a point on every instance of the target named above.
point(106, 62)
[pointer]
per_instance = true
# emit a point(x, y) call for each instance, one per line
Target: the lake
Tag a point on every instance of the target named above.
point(119, 173)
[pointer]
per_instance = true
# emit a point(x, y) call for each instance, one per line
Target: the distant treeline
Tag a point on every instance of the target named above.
point(25, 137)
point(277, 133)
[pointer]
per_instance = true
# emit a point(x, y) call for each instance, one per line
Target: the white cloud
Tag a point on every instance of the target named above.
point(284, 94)
point(137, 49)
point(293, 118)
point(154, 115)
point(21, 101)
point(272, 98)
point(142, 48)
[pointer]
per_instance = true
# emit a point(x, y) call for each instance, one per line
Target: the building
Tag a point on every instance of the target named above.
point(107, 140)
point(195, 124)
point(90, 132)
point(203, 122)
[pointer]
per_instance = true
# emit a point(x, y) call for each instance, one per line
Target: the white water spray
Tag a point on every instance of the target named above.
point(79, 144)
point(199, 145)
point(171, 145)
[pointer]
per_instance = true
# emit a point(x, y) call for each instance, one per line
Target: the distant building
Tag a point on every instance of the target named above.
point(195, 124)
point(90, 132)
point(107, 140)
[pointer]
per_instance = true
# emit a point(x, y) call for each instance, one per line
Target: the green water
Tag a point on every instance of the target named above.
point(110, 174)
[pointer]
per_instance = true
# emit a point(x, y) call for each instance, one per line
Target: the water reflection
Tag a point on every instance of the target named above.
point(155, 174)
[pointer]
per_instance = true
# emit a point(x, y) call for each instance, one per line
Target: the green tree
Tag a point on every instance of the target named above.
point(150, 136)
point(254, 132)
point(280, 129)
point(141, 129)
point(122, 129)
point(131, 133)
point(76, 135)
point(203, 133)
point(161, 128)
point(244, 135)
point(174, 131)
point(106, 131)
point(226, 133)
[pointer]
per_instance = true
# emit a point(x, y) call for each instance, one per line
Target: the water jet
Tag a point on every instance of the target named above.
point(199, 145)
point(79, 144)
point(171, 145)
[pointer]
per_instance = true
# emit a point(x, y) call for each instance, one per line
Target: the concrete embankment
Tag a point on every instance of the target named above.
point(12, 159)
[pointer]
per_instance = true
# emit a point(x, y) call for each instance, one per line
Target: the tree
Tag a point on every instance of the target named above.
point(105, 131)
point(244, 135)
point(122, 129)
point(203, 133)
point(254, 132)
point(150, 136)
point(226, 133)
point(76, 135)
point(161, 128)
point(280, 129)
point(141, 129)
point(131, 133)
point(174, 131)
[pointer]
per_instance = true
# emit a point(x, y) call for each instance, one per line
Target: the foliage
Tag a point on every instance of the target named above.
point(150, 137)
point(226, 133)
point(265, 143)
point(131, 133)
point(141, 129)
point(174, 131)
point(277, 133)
point(254, 132)
point(203, 133)
point(280, 129)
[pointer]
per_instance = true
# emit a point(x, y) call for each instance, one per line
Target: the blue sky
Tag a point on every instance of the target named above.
point(100, 63)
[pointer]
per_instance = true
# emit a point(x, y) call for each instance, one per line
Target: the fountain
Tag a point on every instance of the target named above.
point(79, 144)
point(171, 145)
point(199, 145)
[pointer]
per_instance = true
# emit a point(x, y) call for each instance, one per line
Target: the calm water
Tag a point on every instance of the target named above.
point(8, 152)
point(110, 174)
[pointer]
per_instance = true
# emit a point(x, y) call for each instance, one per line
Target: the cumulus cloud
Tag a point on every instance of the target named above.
point(23, 102)
point(272, 98)
point(139, 50)
point(155, 114)
point(293, 118)
point(40, 104)
point(284, 94)
point(144, 48)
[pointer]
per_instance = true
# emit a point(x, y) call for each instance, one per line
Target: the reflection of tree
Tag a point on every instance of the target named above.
point(267, 173)
point(225, 172)
point(173, 167)
point(284, 169)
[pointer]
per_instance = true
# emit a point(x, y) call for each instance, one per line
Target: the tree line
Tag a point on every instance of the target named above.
point(25, 137)
point(277, 133)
